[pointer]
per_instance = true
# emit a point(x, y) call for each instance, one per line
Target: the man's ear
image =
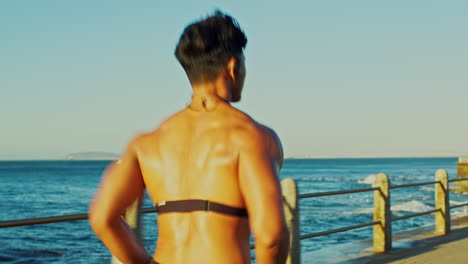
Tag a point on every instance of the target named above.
point(232, 68)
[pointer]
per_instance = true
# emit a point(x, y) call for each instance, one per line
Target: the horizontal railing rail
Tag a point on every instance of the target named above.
point(43, 220)
point(414, 184)
point(338, 230)
point(458, 205)
point(55, 219)
point(458, 179)
point(310, 195)
point(415, 215)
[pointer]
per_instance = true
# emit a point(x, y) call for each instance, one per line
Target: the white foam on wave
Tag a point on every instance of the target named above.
point(427, 197)
point(410, 196)
point(362, 211)
point(402, 198)
point(458, 189)
point(458, 214)
point(369, 179)
point(427, 189)
point(411, 206)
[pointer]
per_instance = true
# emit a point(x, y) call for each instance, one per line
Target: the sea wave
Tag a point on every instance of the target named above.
point(458, 214)
point(369, 179)
point(413, 206)
point(412, 197)
point(427, 189)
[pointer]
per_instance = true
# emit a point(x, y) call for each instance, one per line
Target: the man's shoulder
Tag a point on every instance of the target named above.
point(257, 129)
point(151, 135)
point(252, 132)
point(138, 141)
point(252, 135)
point(163, 126)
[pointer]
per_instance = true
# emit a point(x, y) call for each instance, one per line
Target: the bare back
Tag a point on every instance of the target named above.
point(223, 156)
point(195, 155)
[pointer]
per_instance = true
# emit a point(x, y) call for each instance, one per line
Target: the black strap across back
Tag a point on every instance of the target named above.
point(185, 206)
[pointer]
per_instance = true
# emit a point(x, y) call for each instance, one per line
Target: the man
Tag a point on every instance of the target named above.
point(211, 169)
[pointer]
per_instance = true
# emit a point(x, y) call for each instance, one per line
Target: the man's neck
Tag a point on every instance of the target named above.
point(205, 102)
point(216, 88)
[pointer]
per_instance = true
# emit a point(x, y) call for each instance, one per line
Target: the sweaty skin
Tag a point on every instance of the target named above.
point(211, 151)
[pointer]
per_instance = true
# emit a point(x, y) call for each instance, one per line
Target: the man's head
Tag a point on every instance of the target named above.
point(210, 47)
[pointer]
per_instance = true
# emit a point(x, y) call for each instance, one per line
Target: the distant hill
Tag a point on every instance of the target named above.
point(92, 155)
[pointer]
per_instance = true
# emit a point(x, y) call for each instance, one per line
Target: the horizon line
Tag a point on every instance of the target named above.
point(286, 157)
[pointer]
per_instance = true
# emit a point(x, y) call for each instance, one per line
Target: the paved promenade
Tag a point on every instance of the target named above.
point(419, 246)
point(450, 249)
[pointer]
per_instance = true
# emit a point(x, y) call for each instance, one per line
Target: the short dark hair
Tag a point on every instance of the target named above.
point(206, 45)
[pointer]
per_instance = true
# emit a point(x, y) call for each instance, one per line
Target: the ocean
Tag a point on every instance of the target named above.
point(50, 188)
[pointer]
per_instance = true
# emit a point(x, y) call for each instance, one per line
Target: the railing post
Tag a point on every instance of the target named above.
point(382, 236)
point(133, 218)
point(442, 217)
point(291, 212)
point(462, 172)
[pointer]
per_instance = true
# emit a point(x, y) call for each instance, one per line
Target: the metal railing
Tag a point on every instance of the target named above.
point(56, 219)
point(43, 220)
point(416, 214)
point(382, 215)
point(310, 195)
point(343, 229)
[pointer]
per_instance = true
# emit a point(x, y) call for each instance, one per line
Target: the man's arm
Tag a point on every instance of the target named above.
point(121, 185)
point(259, 162)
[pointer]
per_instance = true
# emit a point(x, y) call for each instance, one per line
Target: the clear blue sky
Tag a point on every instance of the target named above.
point(333, 78)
